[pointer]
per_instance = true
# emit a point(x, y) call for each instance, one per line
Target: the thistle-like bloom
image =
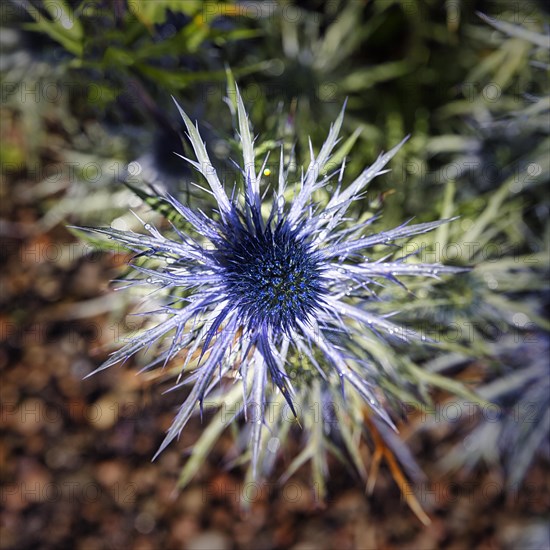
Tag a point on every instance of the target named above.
point(253, 287)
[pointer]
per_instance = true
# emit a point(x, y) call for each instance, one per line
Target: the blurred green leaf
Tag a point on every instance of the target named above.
point(63, 27)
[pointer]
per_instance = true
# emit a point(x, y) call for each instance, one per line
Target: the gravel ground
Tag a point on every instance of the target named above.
point(76, 454)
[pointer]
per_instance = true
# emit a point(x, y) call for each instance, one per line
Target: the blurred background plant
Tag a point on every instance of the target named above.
point(114, 65)
point(505, 307)
point(89, 126)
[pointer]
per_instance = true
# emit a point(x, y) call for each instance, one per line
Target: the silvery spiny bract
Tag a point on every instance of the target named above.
point(261, 289)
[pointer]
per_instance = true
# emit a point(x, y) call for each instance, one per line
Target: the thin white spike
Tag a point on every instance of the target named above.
point(252, 181)
point(314, 169)
point(204, 165)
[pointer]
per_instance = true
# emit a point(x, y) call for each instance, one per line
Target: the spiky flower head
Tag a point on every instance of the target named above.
point(252, 291)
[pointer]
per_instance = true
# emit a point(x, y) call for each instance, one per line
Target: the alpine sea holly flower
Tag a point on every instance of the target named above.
point(254, 289)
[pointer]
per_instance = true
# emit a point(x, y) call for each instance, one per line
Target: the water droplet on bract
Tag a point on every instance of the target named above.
point(273, 444)
point(147, 227)
point(492, 283)
point(149, 280)
point(66, 22)
point(520, 319)
point(534, 169)
point(134, 169)
point(516, 187)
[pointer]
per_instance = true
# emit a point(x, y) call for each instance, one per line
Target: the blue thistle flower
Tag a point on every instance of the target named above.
point(256, 286)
